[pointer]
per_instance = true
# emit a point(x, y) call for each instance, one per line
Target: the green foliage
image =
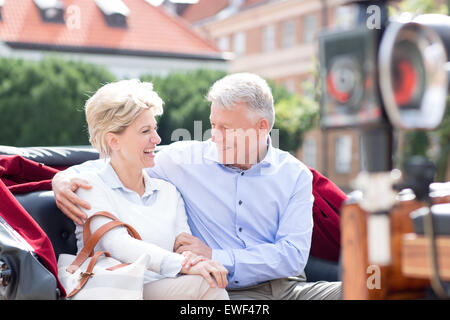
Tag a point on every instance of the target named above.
point(41, 103)
point(417, 7)
point(294, 116)
point(443, 133)
point(184, 99)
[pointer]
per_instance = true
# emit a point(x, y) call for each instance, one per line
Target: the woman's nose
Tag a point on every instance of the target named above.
point(156, 139)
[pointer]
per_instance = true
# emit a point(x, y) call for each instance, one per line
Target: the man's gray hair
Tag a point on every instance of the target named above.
point(244, 87)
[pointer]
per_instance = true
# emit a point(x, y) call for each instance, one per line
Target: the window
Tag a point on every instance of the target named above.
point(269, 38)
point(288, 34)
point(51, 11)
point(310, 152)
point(223, 43)
point(239, 43)
point(343, 154)
point(309, 28)
point(345, 16)
point(115, 12)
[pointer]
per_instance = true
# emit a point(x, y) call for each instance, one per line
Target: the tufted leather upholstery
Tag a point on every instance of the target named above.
point(41, 205)
point(59, 228)
point(53, 156)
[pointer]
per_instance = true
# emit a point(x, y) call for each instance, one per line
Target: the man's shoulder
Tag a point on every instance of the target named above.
point(289, 162)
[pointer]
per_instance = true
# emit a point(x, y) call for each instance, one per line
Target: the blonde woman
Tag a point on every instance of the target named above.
point(122, 127)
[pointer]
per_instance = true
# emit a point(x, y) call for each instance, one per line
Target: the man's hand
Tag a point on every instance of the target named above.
point(187, 242)
point(66, 200)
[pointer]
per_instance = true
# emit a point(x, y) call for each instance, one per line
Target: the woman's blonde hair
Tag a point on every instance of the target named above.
point(115, 106)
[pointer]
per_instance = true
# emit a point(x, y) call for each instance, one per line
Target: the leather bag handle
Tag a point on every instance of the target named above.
point(92, 241)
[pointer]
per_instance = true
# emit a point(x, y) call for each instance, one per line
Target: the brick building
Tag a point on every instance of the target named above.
point(277, 39)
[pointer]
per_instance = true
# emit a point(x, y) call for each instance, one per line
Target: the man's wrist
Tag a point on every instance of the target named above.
point(225, 258)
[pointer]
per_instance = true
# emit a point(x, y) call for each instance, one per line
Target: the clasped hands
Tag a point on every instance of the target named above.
point(198, 260)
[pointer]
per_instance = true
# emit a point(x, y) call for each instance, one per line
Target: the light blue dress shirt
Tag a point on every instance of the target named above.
point(258, 222)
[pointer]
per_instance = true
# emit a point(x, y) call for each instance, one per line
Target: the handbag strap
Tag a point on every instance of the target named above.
point(87, 224)
point(88, 249)
point(88, 273)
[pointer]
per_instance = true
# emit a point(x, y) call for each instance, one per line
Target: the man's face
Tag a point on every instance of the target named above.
point(236, 134)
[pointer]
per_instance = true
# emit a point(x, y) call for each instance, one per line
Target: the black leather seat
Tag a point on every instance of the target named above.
point(42, 207)
point(60, 229)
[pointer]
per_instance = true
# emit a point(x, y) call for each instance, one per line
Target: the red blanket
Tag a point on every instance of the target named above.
point(19, 175)
point(328, 199)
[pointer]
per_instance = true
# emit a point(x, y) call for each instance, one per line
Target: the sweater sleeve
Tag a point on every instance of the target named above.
point(117, 241)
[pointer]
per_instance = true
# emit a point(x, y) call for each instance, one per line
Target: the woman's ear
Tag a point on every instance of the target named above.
point(113, 141)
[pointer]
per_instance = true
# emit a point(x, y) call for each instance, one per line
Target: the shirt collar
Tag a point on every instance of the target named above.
point(269, 159)
point(110, 177)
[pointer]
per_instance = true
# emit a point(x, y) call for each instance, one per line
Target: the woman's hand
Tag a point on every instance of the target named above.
point(191, 259)
point(210, 270)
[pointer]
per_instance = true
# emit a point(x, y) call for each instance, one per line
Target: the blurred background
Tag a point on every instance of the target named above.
point(55, 53)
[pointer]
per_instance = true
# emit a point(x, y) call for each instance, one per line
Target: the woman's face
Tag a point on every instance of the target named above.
point(136, 144)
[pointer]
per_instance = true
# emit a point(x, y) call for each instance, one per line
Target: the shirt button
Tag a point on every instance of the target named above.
point(242, 173)
point(240, 229)
point(240, 202)
point(236, 282)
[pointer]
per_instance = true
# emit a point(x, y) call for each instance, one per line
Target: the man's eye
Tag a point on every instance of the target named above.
point(146, 131)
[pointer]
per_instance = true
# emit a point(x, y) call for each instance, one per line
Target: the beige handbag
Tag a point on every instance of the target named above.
point(96, 275)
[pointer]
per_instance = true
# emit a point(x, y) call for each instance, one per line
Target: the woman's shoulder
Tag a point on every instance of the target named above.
point(162, 185)
point(91, 177)
point(98, 186)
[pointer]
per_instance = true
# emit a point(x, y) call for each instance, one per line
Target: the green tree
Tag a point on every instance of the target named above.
point(184, 99)
point(41, 103)
point(294, 116)
point(417, 7)
point(184, 102)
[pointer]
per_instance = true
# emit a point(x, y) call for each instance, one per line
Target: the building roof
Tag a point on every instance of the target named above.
point(205, 9)
point(149, 31)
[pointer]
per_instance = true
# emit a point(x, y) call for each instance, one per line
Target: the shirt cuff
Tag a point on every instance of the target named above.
point(224, 257)
point(171, 265)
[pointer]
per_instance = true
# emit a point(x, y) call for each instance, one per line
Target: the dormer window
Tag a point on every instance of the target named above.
point(51, 10)
point(115, 12)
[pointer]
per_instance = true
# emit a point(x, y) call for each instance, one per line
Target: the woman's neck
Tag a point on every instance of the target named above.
point(130, 177)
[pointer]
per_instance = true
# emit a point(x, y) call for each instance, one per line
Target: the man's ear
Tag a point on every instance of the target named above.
point(112, 140)
point(263, 124)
